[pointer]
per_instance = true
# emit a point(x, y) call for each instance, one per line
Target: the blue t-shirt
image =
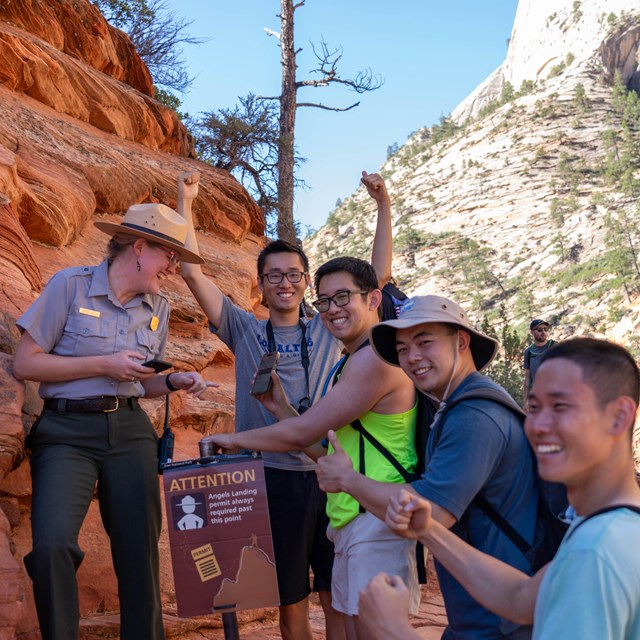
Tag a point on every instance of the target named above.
point(481, 447)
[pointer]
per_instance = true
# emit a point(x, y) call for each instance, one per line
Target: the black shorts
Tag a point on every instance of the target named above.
point(297, 508)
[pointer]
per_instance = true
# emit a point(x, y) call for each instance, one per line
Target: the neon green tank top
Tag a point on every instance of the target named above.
point(396, 432)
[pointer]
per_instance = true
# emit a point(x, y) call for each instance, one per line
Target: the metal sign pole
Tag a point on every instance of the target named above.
point(230, 626)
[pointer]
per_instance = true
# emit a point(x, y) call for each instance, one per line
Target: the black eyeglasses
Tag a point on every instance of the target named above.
point(275, 277)
point(340, 299)
point(545, 329)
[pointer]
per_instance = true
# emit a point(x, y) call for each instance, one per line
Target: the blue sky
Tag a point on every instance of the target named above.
point(431, 53)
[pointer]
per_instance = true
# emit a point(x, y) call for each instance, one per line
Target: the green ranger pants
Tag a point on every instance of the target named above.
point(70, 453)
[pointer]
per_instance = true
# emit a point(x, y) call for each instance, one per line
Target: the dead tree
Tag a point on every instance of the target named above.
point(327, 70)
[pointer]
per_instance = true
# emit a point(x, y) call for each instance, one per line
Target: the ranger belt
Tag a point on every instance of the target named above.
point(98, 404)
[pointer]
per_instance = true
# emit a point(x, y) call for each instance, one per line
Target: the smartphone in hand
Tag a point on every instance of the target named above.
point(262, 381)
point(157, 365)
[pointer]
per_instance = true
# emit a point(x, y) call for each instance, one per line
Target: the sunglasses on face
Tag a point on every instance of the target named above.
point(340, 299)
point(276, 277)
point(543, 329)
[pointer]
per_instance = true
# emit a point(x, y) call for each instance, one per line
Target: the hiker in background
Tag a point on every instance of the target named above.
point(367, 393)
point(85, 339)
point(478, 448)
point(539, 330)
point(582, 410)
point(307, 354)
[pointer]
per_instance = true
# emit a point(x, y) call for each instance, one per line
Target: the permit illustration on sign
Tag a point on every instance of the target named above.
point(220, 536)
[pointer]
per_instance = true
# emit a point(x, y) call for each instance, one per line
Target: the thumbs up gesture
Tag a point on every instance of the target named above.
point(335, 469)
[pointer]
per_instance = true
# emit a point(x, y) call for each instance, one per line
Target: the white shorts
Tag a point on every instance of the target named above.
point(364, 548)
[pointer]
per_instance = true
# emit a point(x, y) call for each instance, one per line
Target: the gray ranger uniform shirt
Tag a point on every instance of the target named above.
point(78, 315)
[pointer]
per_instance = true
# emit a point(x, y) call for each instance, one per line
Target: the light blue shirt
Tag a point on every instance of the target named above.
point(591, 590)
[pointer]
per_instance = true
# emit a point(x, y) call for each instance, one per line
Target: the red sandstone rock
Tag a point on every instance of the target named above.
point(81, 139)
point(70, 85)
point(77, 28)
point(12, 595)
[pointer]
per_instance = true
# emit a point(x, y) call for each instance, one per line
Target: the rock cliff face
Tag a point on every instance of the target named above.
point(80, 138)
point(546, 32)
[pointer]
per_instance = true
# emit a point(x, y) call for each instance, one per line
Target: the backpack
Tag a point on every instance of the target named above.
point(393, 299)
point(552, 497)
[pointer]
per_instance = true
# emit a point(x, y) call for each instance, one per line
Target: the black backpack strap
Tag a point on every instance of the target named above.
point(601, 511)
point(489, 393)
point(337, 370)
point(503, 398)
point(359, 427)
point(426, 413)
point(361, 462)
point(483, 393)
point(408, 477)
point(482, 503)
point(334, 374)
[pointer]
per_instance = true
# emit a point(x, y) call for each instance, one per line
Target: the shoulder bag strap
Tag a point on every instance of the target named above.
point(359, 427)
point(501, 397)
point(601, 511)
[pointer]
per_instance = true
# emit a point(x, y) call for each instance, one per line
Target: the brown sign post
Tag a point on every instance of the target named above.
point(220, 535)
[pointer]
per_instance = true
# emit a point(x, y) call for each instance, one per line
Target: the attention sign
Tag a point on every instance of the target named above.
point(220, 536)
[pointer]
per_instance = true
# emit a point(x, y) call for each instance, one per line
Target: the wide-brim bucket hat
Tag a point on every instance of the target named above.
point(155, 222)
point(423, 309)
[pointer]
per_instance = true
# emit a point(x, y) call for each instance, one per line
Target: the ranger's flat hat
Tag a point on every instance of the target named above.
point(155, 222)
point(423, 309)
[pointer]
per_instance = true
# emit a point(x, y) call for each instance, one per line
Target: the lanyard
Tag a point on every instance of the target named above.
point(304, 353)
point(334, 374)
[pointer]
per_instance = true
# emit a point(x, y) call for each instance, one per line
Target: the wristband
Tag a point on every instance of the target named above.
point(170, 386)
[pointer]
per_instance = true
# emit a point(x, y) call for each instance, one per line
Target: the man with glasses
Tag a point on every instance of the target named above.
point(368, 398)
point(307, 354)
point(539, 330)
